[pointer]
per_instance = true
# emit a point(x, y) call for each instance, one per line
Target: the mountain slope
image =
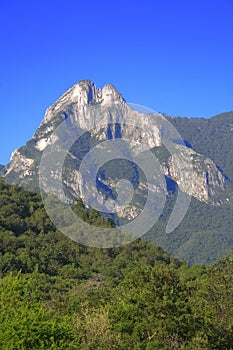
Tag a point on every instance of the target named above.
point(211, 137)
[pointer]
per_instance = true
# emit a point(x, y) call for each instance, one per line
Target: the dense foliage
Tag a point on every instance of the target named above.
point(205, 235)
point(57, 294)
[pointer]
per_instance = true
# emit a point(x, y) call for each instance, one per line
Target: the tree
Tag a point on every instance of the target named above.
point(24, 321)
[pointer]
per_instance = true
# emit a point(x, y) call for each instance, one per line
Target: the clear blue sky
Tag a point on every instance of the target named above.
point(172, 56)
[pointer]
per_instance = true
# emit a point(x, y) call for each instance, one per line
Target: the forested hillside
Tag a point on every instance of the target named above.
point(57, 294)
point(204, 236)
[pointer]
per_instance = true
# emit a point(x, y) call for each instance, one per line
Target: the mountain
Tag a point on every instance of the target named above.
point(81, 124)
point(77, 106)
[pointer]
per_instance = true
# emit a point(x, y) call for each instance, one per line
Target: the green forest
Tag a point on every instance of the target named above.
point(58, 294)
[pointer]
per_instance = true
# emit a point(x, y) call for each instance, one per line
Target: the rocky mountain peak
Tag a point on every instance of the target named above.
point(82, 94)
point(85, 92)
point(110, 95)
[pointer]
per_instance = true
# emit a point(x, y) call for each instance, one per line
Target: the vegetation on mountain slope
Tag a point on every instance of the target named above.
point(58, 294)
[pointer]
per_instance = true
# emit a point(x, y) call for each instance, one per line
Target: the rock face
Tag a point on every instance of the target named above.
point(207, 179)
point(103, 114)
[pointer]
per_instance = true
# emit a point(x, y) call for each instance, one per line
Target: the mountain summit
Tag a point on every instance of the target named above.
point(82, 94)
